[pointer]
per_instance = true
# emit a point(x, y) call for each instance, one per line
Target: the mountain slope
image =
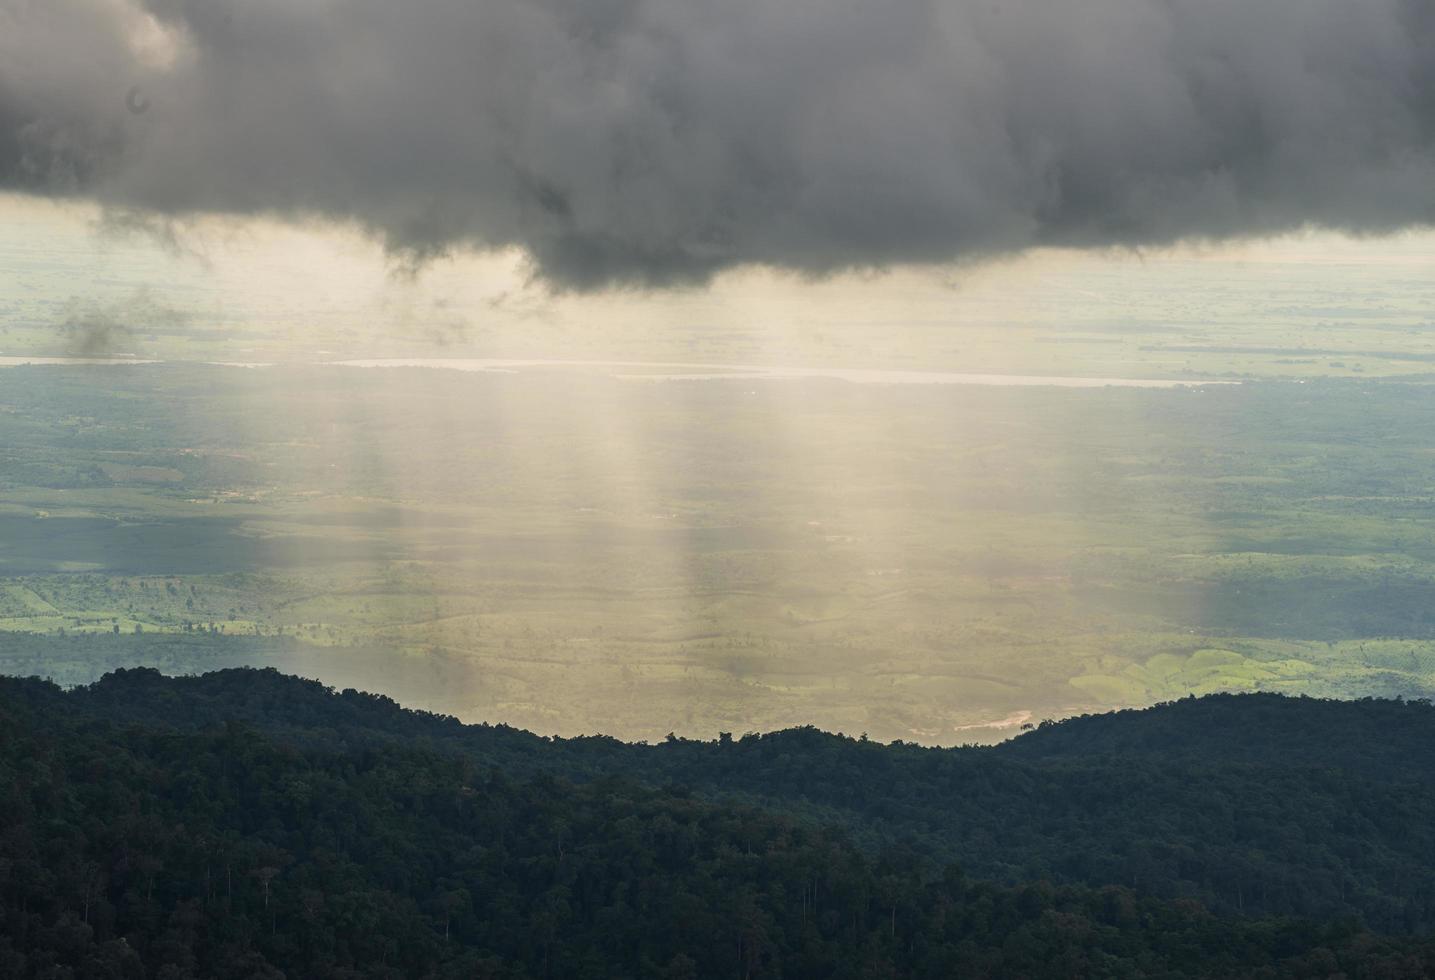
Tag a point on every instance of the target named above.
point(1255, 804)
point(356, 840)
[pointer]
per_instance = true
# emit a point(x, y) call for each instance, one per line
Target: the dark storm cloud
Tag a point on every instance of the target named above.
point(658, 141)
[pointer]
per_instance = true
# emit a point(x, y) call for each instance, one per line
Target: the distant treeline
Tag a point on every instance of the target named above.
point(246, 824)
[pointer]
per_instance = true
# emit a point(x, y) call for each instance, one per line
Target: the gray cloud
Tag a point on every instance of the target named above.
point(659, 141)
point(93, 332)
point(94, 329)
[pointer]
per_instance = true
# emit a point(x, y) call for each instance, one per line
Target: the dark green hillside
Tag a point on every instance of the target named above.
point(1388, 739)
point(135, 848)
point(1252, 804)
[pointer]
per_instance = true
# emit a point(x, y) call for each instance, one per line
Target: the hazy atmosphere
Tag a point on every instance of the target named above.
point(682, 490)
point(630, 368)
point(930, 504)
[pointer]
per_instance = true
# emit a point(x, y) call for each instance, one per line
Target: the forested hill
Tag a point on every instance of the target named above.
point(1252, 804)
point(248, 826)
point(1373, 737)
point(1376, 737)
point(1249, 803)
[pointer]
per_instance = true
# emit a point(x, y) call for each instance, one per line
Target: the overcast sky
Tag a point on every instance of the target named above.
point(660, 142)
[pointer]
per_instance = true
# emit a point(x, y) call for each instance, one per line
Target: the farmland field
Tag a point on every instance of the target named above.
point(552, 547)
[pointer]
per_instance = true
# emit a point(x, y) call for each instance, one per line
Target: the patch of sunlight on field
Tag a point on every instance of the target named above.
point(19, 601)
point(1204, 671)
